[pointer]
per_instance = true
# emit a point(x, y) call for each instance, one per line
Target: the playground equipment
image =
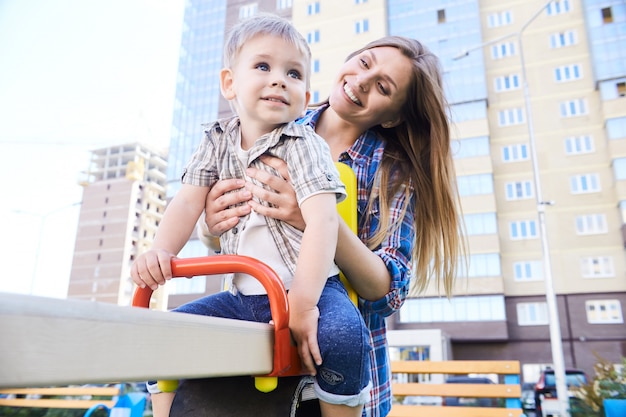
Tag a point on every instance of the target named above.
point(60, 342)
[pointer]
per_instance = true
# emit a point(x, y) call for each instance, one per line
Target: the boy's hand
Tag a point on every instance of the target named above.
point(303, 326)
point(152, 269)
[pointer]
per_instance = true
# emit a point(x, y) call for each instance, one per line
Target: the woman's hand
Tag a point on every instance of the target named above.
point(222, 210)
point(283, 202)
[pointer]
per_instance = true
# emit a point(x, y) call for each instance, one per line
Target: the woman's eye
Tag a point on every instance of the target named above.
point(294, 74)
point(263, 67)
point(364, 63)
point(382, 89)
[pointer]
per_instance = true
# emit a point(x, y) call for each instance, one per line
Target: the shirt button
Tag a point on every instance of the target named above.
point(235, 230)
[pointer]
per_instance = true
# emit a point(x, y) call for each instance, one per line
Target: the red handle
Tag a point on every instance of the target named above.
point(286, 361)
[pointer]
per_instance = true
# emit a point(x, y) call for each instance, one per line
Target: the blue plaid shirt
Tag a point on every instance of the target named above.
point(364, 157)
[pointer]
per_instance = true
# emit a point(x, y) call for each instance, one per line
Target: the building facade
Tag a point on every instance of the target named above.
point(123, 202)
point(562, 138)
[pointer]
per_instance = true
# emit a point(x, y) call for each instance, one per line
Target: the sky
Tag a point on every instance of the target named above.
point(75, 75)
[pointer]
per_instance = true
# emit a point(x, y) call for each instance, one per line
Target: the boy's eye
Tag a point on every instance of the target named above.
point(263, 66)
point(294, 74)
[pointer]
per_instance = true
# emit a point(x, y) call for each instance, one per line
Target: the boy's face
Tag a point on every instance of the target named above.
point(267, 83)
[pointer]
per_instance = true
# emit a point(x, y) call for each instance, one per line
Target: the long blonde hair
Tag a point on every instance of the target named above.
point(417, 158)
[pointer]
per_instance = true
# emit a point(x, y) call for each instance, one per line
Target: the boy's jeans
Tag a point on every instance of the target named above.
point(344, 376)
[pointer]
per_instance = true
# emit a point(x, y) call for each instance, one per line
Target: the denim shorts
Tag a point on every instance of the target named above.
point(344, 375)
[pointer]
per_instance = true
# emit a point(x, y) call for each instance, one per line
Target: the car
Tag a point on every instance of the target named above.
point(546, 386)
point(469, 402)
point(528, 396)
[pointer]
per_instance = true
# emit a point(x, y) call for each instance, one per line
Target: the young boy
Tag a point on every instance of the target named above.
point(266, 80)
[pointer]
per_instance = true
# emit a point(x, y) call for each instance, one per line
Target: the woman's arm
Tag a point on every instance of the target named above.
point(364, 269)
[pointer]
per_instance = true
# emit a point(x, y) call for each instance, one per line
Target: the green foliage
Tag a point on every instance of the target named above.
point(608, 382)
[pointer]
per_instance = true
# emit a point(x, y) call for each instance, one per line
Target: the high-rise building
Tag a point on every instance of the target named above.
point(573, 112)
point(123, 202)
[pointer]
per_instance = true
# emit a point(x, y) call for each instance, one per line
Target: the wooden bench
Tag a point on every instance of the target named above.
point(508, 389)
point(86, 398)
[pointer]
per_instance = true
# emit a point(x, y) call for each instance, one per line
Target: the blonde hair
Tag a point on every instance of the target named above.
point(265, 24)
point(417, 159)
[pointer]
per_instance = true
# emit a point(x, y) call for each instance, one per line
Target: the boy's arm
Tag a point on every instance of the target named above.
point(315, 260)
point(153, 267)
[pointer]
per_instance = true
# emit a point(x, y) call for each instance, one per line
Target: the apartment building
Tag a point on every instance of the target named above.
point(123, 202)
point(537, 100)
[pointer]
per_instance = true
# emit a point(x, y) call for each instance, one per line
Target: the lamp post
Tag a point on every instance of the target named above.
point(554, 323)
point(42, 222)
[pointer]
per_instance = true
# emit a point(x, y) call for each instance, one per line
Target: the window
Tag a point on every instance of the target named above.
point(284, 4)
point(360, 1)
point(503, 50)
point(562, 39)
point(607, 15)
point(441, 16)
point(523, 229)
point(591, 224)
point(567, 73)
point(515, 153)
point(475, 184)
point(519, 190)
point(362, 26)
point(604, 312)
point(313, 8)
point(619, 168)
point(510, 117)
point(597, 267)
point(457, 309)
point(575, 145)
point(315, 66)
point(621, 89)
point(558, 7)
point(507, 83)
point(495, 20)
point(313, 36)
point(315, 96)
point(584, 183)
point(616, 128)
point(528, 271)
point(572, 108)
point(481, 265)
point(481, 224)
point(248, 10)
point(471, 147)
point(532, 314)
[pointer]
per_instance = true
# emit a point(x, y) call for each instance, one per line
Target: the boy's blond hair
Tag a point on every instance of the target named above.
point(265, 24)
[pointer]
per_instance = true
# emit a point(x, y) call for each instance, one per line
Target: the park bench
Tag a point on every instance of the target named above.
point(508, 390)
point(111, 398)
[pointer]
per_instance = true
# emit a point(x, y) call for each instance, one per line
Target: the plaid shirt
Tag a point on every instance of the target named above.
point(364, 157)
point(311, 171)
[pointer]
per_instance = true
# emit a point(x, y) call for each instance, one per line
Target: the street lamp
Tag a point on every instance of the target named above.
point(554, 324)
point(42, 222)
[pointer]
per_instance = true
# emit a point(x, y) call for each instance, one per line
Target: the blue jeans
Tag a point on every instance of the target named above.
point(344, 375)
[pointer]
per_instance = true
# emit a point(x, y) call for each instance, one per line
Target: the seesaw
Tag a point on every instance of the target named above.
point(60, 342)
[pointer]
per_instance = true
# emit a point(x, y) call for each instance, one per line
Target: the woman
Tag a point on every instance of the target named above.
point(386, 118)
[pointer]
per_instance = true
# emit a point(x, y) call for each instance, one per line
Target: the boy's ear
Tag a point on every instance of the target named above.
point(226, 84)
point(307, 99)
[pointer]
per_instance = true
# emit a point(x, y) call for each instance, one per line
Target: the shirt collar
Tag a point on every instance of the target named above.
point(362, 149)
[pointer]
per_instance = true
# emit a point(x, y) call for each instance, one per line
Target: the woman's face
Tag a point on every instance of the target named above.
point(371, 87)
